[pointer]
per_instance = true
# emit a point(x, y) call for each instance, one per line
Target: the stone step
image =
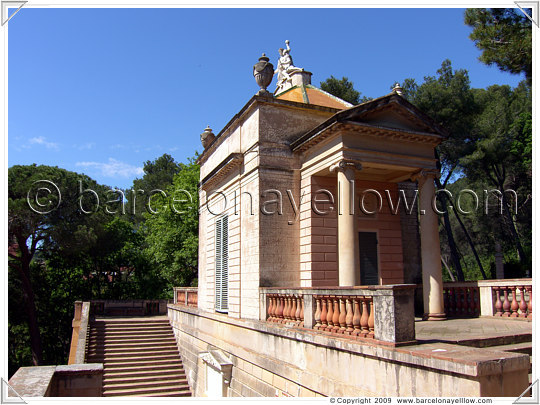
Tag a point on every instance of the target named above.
point(161, 389)
point(139, 360)
point(158, 376)
point(185, 393)
point(129, 327)
point(494, 341)
point(142, 332)
point(131, 343)
point(177, 381)
point(134, 373)
point(131, 340)
point(133, 369)
point(523, 347)
point(132, 349)
point(142, 355)
point(142, 365)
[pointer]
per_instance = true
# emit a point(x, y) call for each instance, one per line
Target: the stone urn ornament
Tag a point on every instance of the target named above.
point(207, 137)
point(263, 71)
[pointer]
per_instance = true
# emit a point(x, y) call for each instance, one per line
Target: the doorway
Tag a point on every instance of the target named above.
point(369, 263)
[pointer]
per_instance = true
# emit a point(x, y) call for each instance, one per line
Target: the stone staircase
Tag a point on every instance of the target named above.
point(139, 356)
point(518, 343)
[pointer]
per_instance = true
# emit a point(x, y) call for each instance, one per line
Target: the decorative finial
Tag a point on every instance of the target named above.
point(397, 89)
point(207, 137)
point(263, 71)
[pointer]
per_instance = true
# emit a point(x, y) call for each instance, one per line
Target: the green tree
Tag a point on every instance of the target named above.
point(43, 213)
point(158, 175)
point(502, 154)
point(504, 35)
point(448, 99)
point(172, 232)
point(344, 89)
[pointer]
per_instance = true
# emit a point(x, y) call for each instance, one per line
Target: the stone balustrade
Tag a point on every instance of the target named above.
point(384, 313)
point(513, 301)
point(461, 301)
point(510, 298)
point(186, 296)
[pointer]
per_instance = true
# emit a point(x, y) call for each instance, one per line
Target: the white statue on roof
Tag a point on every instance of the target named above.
point(285, 66)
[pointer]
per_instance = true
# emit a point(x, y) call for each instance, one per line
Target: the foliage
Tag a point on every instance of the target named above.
point(172, 233)
point(158, 175)
point(504, 35)
point(342, 88)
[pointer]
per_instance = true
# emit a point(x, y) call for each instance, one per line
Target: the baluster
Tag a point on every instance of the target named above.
point(287, 310)
point(364, 319)
point(356, 316)
point(279, 312)
point(523, 304)
point(301, 309)
point(457, 292)
point(529, 304)
point(330, 315)
point(317, 315)
point(335, 318)
point(371, 319)
point(506, 303)
point(349, 317)
point(498, 303)
point(324, 314)
point(269, 309)
point(342, 316)
point(451, 302)
point(293, 309)
point(466, 304)
point(473, 301)
point(514, 307)
point(445, 299)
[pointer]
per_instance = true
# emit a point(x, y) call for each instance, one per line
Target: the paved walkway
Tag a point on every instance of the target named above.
point(455, 330)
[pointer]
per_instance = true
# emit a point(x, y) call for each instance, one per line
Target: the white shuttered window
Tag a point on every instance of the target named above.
point(222, 264)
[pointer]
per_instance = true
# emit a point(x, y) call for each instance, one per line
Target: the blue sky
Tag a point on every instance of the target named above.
point(101, 91)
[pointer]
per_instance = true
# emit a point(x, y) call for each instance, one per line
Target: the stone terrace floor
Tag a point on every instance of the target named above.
point(459, 330)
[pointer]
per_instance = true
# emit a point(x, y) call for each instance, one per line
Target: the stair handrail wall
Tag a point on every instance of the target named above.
point(186, 296)
point(79, 336)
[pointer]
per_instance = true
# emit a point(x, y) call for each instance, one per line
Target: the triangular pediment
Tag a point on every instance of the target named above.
point(388, 113)
point(392, 111)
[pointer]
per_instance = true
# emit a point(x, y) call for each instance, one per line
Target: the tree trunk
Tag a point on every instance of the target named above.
point(33, 327)
point(30, 303)
point(454, 256)
point(471, 244)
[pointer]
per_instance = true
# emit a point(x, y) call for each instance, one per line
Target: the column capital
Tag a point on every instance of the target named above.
point(345, 164)
point(422, 175)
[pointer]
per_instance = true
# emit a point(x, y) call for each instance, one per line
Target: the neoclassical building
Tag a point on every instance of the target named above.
point(302, 189)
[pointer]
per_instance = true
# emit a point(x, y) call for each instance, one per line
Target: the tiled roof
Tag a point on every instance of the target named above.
point(309, 94)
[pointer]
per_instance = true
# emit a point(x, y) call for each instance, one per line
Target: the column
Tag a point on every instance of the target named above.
point(348, 249)
point(430, 249)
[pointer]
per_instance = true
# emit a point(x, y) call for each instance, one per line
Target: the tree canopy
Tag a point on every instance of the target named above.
point(504, 35)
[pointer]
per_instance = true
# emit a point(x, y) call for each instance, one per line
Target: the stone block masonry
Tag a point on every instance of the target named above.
point(274, 360)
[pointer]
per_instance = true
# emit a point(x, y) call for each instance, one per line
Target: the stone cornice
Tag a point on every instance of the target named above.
point(232, 161)
point(369, 130)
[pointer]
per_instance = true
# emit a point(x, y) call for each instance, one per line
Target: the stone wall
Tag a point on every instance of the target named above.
point(273, 360)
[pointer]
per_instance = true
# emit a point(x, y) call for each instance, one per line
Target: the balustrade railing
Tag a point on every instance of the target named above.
point(513, 301)
point(462, 301)
point(384, 313)
point(511, 298)
point(186, 296)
